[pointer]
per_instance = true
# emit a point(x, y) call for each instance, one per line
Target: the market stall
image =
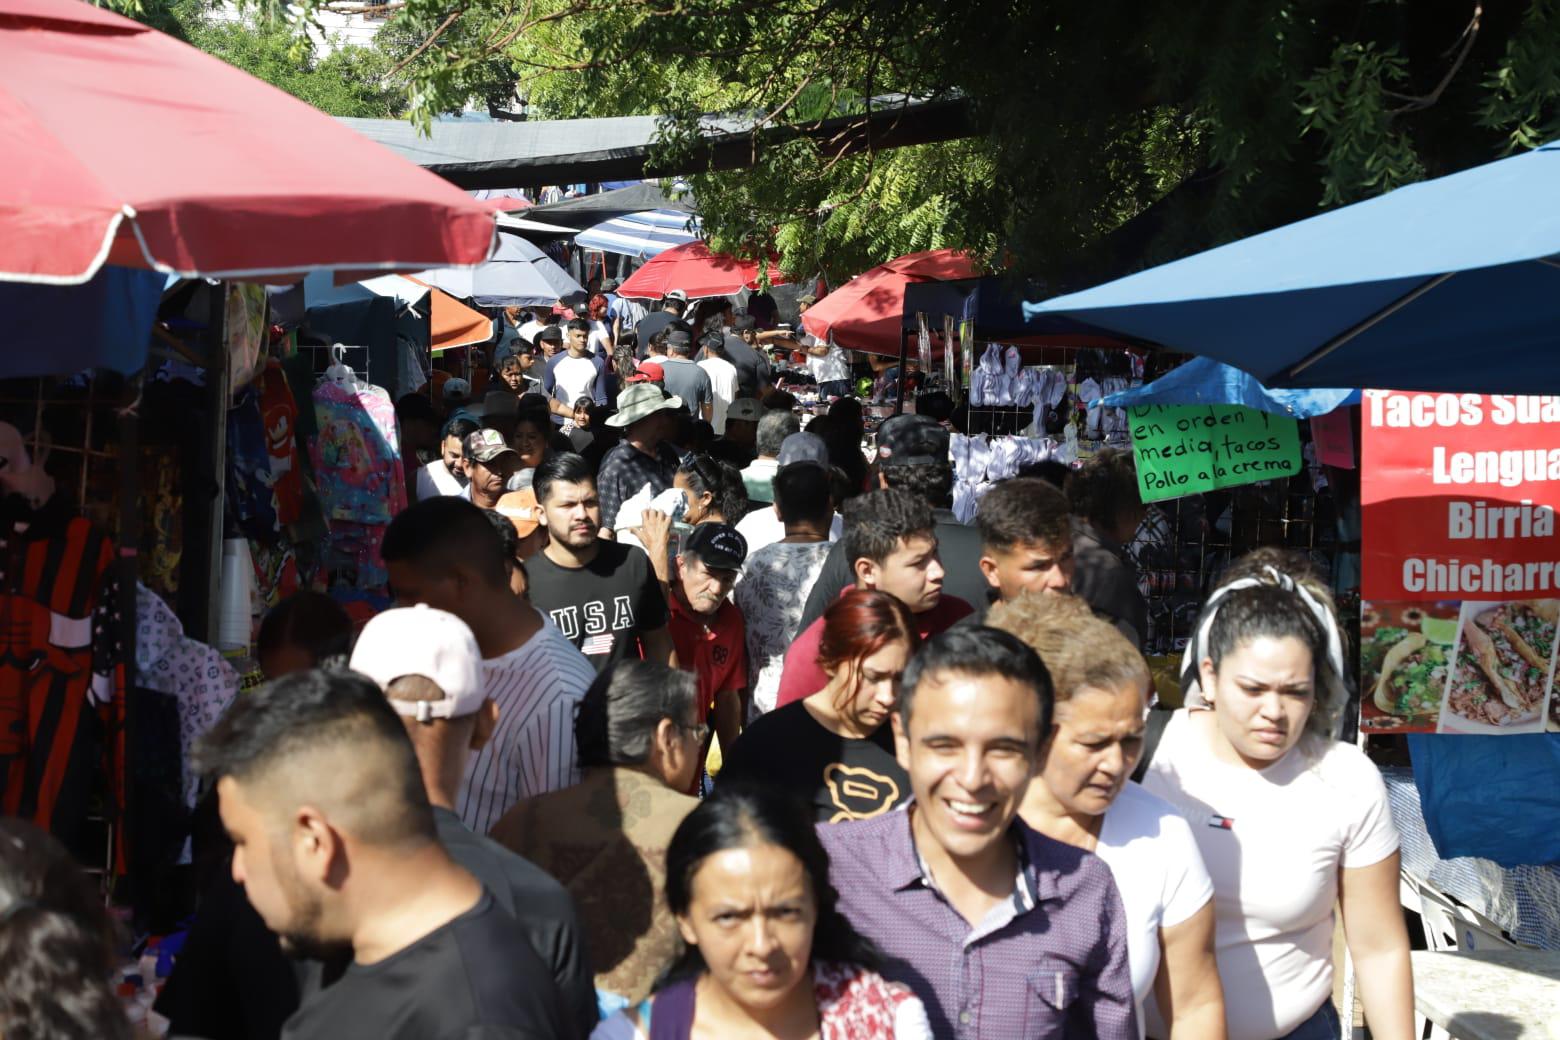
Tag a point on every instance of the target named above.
point(1443, 291)
point(147, 423)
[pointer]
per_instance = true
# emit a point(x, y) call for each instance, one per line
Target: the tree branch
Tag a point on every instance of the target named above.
point(1469, 35)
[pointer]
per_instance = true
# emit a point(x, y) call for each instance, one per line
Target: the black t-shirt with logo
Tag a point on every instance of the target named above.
point(842, 778)
point(476, 976)
point(602, 606)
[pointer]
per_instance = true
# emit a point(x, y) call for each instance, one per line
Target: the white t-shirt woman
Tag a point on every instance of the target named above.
point(1273, 841)
point(1159, 873)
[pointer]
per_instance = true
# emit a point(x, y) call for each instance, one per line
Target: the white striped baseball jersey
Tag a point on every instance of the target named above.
point(536, 687)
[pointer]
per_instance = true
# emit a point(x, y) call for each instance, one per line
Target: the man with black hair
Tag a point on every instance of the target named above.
point(723, 378)
point(891, 542)
point(602, 596)
point(1025, 541)
point(445, 553)
point(754, 376)
point(776, 578)
point(1106, 512)
point(656, 321)
point(767, 525)
point(683, 378)
point(337, 848)
point(912, 454)
point(1002, 931)
point(574, 374)
point(427, 663)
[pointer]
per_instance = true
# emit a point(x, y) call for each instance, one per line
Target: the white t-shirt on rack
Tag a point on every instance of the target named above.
point(1159, 873)
point(1273, 841)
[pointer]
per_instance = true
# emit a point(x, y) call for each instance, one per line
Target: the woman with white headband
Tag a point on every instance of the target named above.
point(1290, 822)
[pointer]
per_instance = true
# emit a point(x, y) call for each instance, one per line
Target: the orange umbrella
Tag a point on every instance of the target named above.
point(451, 323)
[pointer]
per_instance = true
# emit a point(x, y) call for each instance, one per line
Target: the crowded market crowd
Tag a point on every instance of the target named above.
point(694, 722)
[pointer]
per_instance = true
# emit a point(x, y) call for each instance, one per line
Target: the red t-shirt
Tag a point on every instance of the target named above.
point(802, 677)
point(716, 653)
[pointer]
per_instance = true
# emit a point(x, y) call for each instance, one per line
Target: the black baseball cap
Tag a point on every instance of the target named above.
point(720, 546)
point(912, 440)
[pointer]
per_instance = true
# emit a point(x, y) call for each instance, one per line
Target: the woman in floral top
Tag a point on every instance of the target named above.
point(766, 952)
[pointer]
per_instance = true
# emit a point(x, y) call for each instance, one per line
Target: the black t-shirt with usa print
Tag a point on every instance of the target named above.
point(602, 607)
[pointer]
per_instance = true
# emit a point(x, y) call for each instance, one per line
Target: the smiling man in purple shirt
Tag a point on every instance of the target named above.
point(1001, 931)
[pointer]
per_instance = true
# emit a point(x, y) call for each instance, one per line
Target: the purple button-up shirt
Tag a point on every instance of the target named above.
point(1050, 961)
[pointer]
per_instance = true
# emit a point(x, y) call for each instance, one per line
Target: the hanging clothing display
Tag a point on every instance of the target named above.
point(249, 497)
point(61, 673)
point(361, 484)
point(279, 414)
point(357, 454)
point(196, 675)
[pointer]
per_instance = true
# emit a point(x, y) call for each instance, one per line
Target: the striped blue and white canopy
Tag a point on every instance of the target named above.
point(641, 235)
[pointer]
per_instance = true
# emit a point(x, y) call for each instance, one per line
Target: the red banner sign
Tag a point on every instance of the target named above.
point(1461, 561)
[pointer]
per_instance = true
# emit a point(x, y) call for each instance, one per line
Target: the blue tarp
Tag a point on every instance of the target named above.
point(63, 329)
point(1205, 381)
point(1478, 247)
point(998, 311)
point(1492, 797)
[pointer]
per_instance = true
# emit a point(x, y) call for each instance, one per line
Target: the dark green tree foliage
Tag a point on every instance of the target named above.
point(349, 81)
point(1117, 133)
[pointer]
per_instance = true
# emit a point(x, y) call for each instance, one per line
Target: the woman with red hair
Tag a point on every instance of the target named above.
point(600, 341)
point(835, 748)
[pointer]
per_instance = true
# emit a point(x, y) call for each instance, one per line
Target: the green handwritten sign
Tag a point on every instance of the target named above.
point(1185, 449)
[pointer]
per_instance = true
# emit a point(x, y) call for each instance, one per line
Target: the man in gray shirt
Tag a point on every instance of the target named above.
point(685, 379)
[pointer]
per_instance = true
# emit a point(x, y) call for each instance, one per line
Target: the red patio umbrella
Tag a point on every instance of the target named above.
point(692, 268)
point(866, 313)
point(125, 146)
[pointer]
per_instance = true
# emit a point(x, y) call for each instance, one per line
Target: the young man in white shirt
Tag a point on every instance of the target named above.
point(446, 554)
point(723, 378)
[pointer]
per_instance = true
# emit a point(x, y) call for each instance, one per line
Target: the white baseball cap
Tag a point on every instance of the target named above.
point(433, 644)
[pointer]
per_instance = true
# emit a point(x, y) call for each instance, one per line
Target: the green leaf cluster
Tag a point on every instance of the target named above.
point(349, 81)
point(1114, 133)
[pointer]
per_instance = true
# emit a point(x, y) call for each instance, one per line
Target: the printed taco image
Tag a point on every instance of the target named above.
point(1405, 658)
point(1413, 673)
point(1504, 663)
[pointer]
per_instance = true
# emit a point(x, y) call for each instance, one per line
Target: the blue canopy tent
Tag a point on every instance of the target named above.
point(1452, 284)
point(641, 235)
point(999, 313)
point(103, 323)
point(1205, 381)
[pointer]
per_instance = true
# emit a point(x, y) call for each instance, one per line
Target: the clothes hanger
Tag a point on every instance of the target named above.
point(339, 371)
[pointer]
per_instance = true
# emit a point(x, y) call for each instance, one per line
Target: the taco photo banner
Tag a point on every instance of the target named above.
point(1461, 563)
